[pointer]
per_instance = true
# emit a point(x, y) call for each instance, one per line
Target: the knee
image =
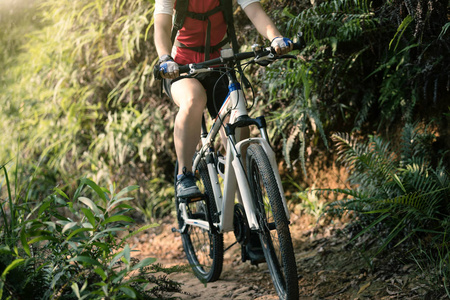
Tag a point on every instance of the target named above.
point(192, 104)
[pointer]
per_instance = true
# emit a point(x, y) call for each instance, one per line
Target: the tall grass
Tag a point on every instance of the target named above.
point(76, 95)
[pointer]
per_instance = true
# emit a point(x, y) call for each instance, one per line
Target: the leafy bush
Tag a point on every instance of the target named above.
point(60, 248)
point(401, 197)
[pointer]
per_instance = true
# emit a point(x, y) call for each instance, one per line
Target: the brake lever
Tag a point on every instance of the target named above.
point(264, 60)
point(267, 60)
point(194, 71)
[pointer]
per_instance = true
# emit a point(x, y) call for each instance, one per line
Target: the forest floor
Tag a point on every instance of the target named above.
point(329, 267)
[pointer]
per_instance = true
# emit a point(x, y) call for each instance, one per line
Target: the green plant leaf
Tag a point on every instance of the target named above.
point(105, 233)
point(127, 253)
point(68, 226)
point(5, 250)
point(104, 246)
point(52, 225)
point(144, 263)
point(61, 193)
point(115, 202)
point(401, 30)
point(86, 259)
point(124, 206)
point(89, 215)
point(23, 240)
point(119, 276)
point(130, 292)
point(77, 231)
point(118, 218)
point(101, 273)
point(43, 207)
point(96, 188)
point(398, 228)
point(126, 190)
point(14, 264)
point(115, 259)
point(76, 290)
point(381, 218)
point(43, 238)
point(89, 203)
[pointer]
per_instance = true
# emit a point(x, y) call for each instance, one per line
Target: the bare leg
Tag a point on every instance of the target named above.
point(190, 96)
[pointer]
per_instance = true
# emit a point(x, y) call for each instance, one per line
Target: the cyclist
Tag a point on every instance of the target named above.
point(200, 37)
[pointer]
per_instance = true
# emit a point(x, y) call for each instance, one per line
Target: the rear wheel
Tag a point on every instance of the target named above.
point(203, 248)
point(274, 226)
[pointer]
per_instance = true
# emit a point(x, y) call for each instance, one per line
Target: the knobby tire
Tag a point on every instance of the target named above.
point(274, 225)
point(204, 249)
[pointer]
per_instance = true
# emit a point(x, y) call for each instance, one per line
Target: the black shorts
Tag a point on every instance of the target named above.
point(213, 82)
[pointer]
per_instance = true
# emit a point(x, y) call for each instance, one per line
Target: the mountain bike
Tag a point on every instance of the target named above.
point(261, 209)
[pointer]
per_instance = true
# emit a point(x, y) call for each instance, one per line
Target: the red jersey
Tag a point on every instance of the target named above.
point(194, 32)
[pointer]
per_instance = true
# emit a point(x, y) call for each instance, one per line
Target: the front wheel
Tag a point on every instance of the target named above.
point(203, 248)
point(274, 225)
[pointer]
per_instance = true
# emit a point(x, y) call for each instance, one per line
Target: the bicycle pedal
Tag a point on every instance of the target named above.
point(194, 198)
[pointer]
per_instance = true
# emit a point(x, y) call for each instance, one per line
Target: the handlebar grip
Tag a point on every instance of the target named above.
point(298, 46)
point(300, 43)
point(156, 73)
point(184, 68)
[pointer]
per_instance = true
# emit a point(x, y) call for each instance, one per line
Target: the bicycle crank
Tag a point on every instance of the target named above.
point(240, 223)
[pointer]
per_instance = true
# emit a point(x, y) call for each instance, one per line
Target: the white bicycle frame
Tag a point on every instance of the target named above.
point(234, 177)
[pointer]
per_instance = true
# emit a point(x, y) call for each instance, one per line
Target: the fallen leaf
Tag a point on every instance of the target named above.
point(362, 288)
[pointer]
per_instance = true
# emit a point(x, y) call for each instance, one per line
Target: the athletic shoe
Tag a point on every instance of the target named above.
point(186, 187)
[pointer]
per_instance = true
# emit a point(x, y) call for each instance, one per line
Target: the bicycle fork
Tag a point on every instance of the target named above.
point(236, 177)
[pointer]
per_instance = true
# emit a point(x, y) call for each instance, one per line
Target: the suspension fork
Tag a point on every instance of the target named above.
point(260, 122)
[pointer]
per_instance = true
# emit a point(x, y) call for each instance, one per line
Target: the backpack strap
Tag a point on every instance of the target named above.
point(231, 32)
point(205, 17)
point(228, 15)
point(181, 9)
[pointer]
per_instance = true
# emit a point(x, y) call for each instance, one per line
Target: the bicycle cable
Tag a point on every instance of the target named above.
point(216, 109)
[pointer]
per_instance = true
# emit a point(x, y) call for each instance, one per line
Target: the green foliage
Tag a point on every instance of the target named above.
point(365, 68)
point(400, 197)
point(60, 248)
point(337, 35)
point(78, 98)
point(402, 193)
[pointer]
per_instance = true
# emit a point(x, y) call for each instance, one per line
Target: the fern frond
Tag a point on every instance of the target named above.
point(414, 200)
point(348, 149)
point(416, 143)
point(372, 164)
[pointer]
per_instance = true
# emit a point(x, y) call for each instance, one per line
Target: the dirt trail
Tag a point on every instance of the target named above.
point(328, 267)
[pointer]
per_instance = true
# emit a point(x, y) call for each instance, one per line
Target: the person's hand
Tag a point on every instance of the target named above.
point(282, 45)
point(168, 68)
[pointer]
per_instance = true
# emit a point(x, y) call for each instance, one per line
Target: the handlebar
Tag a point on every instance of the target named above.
point(231, 58)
